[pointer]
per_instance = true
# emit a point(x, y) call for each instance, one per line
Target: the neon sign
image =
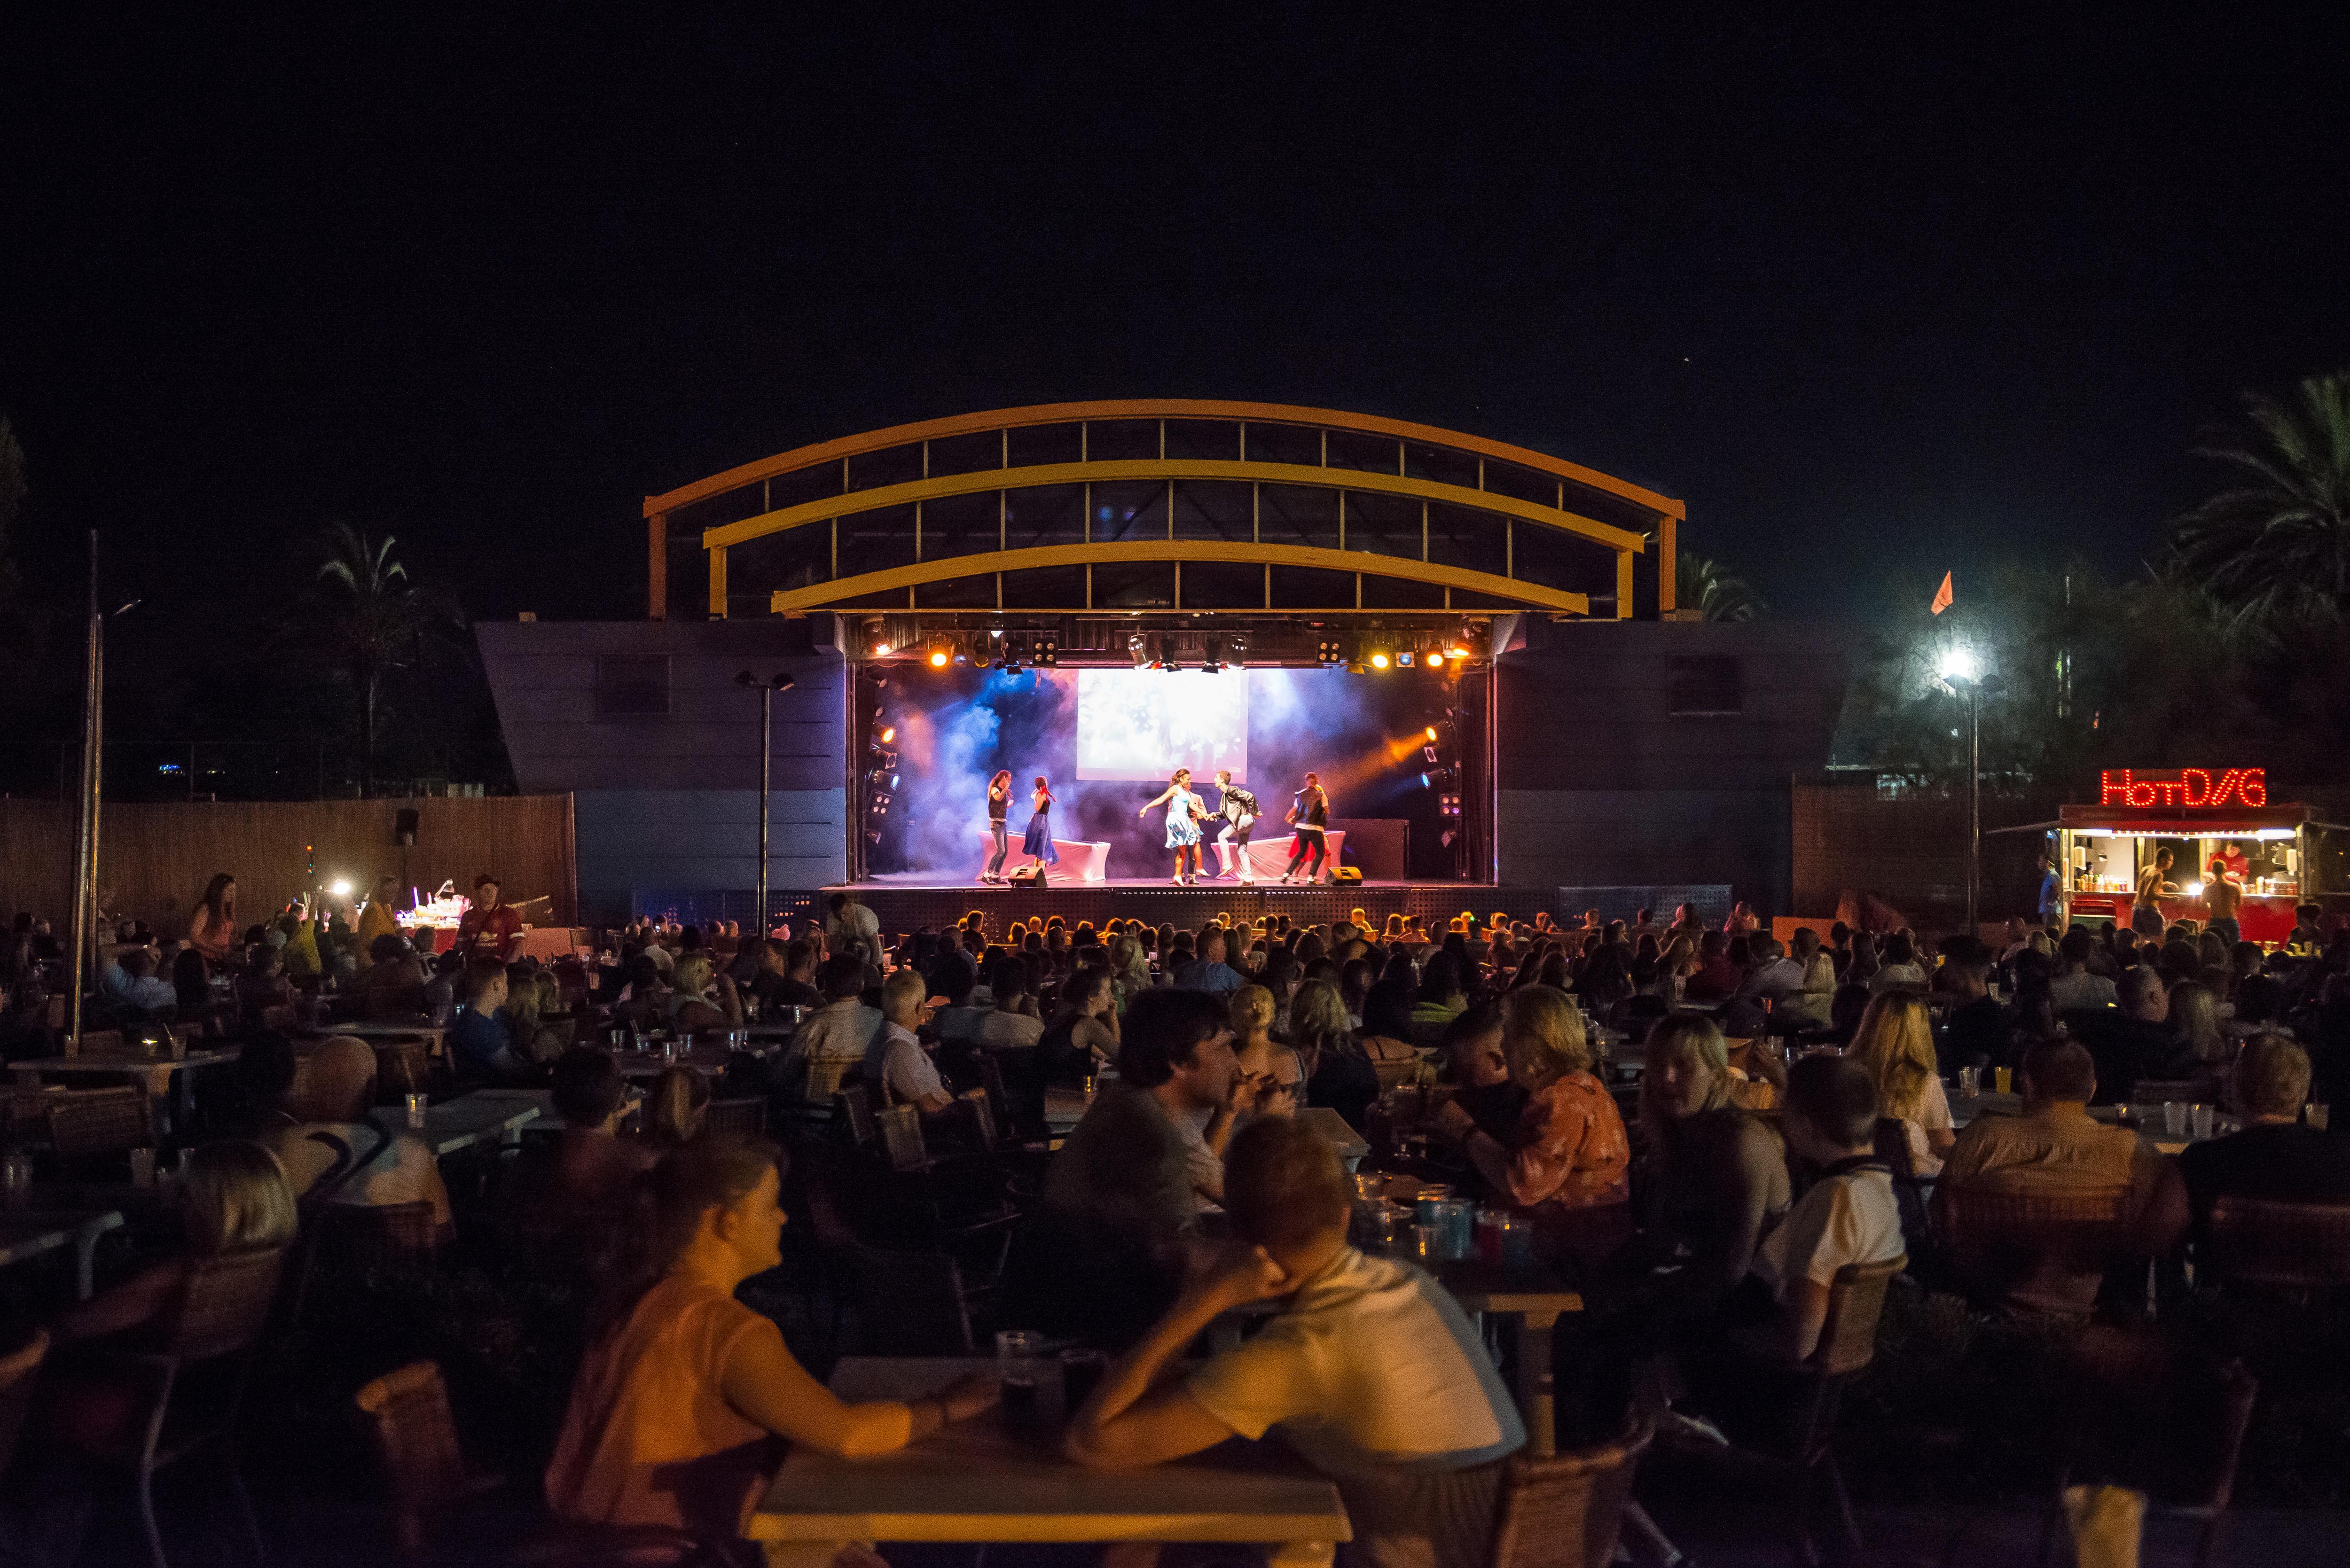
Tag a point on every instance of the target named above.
point(2195, 788)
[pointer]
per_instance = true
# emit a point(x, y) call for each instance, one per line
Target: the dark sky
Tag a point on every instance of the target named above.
point(1874, 297)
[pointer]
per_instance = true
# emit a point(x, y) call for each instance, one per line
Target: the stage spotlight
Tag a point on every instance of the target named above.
point(1048, 652)
point(888, 734)
point(1404, 659)
point(1436, 659)
point(881, 650)
point(1431, 735)
point(1327, 651)
point(1423, 781)
point(1428, 754)
point(1379, 661)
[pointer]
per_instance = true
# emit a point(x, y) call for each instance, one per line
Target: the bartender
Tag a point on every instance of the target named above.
point(2223, 891)
point(2239, 867)
point(490, 929)
point(2153, 885)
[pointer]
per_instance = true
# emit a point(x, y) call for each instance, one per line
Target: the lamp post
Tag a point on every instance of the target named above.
point(1961, 676)
point(767, 690)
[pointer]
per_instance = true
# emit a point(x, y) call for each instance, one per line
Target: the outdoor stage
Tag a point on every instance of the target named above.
point(908, 904)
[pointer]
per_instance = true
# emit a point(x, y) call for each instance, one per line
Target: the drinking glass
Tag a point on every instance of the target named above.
point(2174, 1116)
point(1081, 1374)
point(1970, 1082)
point(1428, 1243)
point(416, 1110)
point(2002, 1077)
point(2202, 1115)
point(2314, 1114)
point(16, 1180)
point(142, 1167)
point(1019, 1363)
point(1517, 1241)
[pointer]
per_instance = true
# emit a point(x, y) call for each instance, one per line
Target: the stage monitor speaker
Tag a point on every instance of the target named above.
point(1344, 875)
point(403, 828)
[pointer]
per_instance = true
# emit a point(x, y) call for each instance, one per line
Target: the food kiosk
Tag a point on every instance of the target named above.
point(2274, 854)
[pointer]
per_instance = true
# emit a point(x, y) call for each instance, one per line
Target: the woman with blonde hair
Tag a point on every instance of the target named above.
point(1129, 970)
point(2195, 1014)
point(1720, 1175)
point(1338, 1074)
point(1811, 1000)
point(1895, 1042)
point(529, 997)
point(1570, 1151)
point(695, 1002)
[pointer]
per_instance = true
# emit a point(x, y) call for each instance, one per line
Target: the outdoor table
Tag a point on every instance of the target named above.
point(484, 1115)
point(708, 1060)
point(26, 1234)
point(1537, 1298)
point(1063, 1108)
point(981, 1480)
point(1330, 1124)
point(2146, 1120)
point(375, 1030)
point(548, 1120)
point(155, 1073)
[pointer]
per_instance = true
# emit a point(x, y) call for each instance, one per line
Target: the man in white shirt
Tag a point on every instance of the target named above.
point(982, 1020)
point(897, 1064)
point(1370, 1370)
point(2075, 989)
point(1772, 974)
point(332, 1144)
point(838, 1036)
point(1849, 1215)
point(851, 921)
point(1209, 972)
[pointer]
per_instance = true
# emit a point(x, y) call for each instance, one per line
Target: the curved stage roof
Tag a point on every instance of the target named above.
point(1171, 506)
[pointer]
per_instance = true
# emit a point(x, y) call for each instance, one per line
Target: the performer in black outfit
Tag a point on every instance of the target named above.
point(1309, 814)
point(1239, 811)
point(999, 799)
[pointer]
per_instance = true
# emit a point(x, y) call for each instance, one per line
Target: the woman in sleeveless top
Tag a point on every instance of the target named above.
point(1184, 811)
point(1038, 843)
point(999, 800)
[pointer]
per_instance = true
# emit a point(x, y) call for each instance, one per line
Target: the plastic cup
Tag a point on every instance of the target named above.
point(1970, 1082)
point(2174, 1116)
point(1019, 1363)
point(2202, 1116)
point(2314, 1114)
point(416, 1110)
point(142, 1167)
point(1081, 1374)
point(1460, 1229)
point(17, 1180)
point(2002, 1077)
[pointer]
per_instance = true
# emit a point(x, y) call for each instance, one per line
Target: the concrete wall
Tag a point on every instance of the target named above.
point(1601, 783)
point(667, 805)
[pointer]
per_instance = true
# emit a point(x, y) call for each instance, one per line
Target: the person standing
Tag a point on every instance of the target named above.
point(1184, 814)
point(999, 801)
point(2223, 893)
point(1239, 811)
point(1309, 816)
point(490, 929)
point(2153, 885)
point(211, 930)
point(1038, 843)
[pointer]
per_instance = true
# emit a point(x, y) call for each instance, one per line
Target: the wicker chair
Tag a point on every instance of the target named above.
point(222, 1312)
point(2043, 1254)
point(407, 1416)
point(1565, 1510)
point(745, 1118)
point(402, 1067)
point(20, 1370)
point(2301, 1249)
point(852, 1113)
point(357, 1238)
point(1912, 1194)
point(92, 1125)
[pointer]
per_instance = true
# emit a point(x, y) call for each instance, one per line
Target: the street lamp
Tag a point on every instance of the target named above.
point(1960, 673)
point(767, 690)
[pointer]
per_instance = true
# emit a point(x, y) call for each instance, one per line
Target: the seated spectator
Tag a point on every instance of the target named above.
point(983, 1019)
point(593, 1164)
point(1716, 978)
point(1721, 1179)
point(1480, 1073)
point(1979, 1033)
point(1441, 987)
point(1149, 1150)
point(786, 976)
point(393, 982)
point(334, 1151)
point(1771, 974)
point(1281, 1078)
point(1895, 1047)
point(1209, 972)
point(834, 1041)
point(530, 996)
point(2078, 988)
point(479, 1042)
point(900, 1071)
point(2274, 1157)
point(674, 1412)
point(131, 983)
point(700, 998)
point(1338, 1075)
point(2195, 1019)
point(2136, 1042)
point(2259, 996)
point(1370, 1368)
point(1569, 1154)
point(1900, 966)
point(1084, 1034)
point(675, 1108)
point(2055, 1147)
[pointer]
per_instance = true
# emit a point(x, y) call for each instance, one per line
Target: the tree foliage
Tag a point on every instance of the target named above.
point(2274, 552)
point(370, 620)
point(1713, 590)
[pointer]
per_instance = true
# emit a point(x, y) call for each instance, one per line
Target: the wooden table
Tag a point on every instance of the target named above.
point(26, 1234)
point(2145, 1120)
point(1537, 1299)
point(377, 1032)
point(154, 1072)
point(979, 1482)
point(484, 1115)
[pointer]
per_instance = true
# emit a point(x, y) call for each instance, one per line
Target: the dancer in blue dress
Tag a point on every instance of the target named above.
point(1184, 814)
point(1038, 845)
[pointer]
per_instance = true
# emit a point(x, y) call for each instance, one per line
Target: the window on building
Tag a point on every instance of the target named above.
point(1706, 684)
point(631, 685)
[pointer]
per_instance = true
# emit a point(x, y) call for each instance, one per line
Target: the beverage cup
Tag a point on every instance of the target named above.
point(2174, 1117)
point(17, 1180)
point(2314, 1114)
point(2003, 1076)
point(1428, 1243)
point(1517, 1241)
point(1460, 1229)
point(1970, 1082)
point(2202, 1118)
point(1489, 1235)
point(1019, 1362)
point(142, 1167)
point(1081, 1374)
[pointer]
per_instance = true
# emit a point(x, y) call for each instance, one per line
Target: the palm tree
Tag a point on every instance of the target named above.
point(1710, 588)
point(372, 620)
point(2277, 549)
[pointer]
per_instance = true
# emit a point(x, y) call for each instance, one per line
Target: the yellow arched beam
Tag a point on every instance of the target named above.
point(1043, 475)
point(1153, 409)
point(792, 600)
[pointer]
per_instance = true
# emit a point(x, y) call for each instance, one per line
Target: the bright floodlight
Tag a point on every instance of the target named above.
point(1959, 664)
point(342, 890)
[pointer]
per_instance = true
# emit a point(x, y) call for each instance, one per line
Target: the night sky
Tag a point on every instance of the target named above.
point(1873, 302)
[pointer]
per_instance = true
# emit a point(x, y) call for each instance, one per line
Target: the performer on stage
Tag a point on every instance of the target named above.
point(1309, 815)
point(999, 800)
point(1184, 814)
point(1038, 845)
point(1239, 809)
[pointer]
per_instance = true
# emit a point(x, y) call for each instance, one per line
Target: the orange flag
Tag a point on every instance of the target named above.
point(1943, 597)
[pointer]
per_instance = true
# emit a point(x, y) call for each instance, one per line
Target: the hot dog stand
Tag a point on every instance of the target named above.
point(2276, 853)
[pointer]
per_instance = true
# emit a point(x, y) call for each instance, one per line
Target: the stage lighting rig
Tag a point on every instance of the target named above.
point(1138, 651)
point(1048, 652)
point(1327, 651)
point(1380, 659)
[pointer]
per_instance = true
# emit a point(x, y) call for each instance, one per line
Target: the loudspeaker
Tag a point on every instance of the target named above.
point(403, 828)
point(1342, 875)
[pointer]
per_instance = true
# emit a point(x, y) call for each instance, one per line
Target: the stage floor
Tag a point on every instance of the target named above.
point(911, 903)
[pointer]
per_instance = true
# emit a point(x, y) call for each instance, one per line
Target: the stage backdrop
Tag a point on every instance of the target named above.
point(1109, 739)
point(154, 859)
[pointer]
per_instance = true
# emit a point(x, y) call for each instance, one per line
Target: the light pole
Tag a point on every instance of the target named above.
point(767, 690)
point(1961, 676)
